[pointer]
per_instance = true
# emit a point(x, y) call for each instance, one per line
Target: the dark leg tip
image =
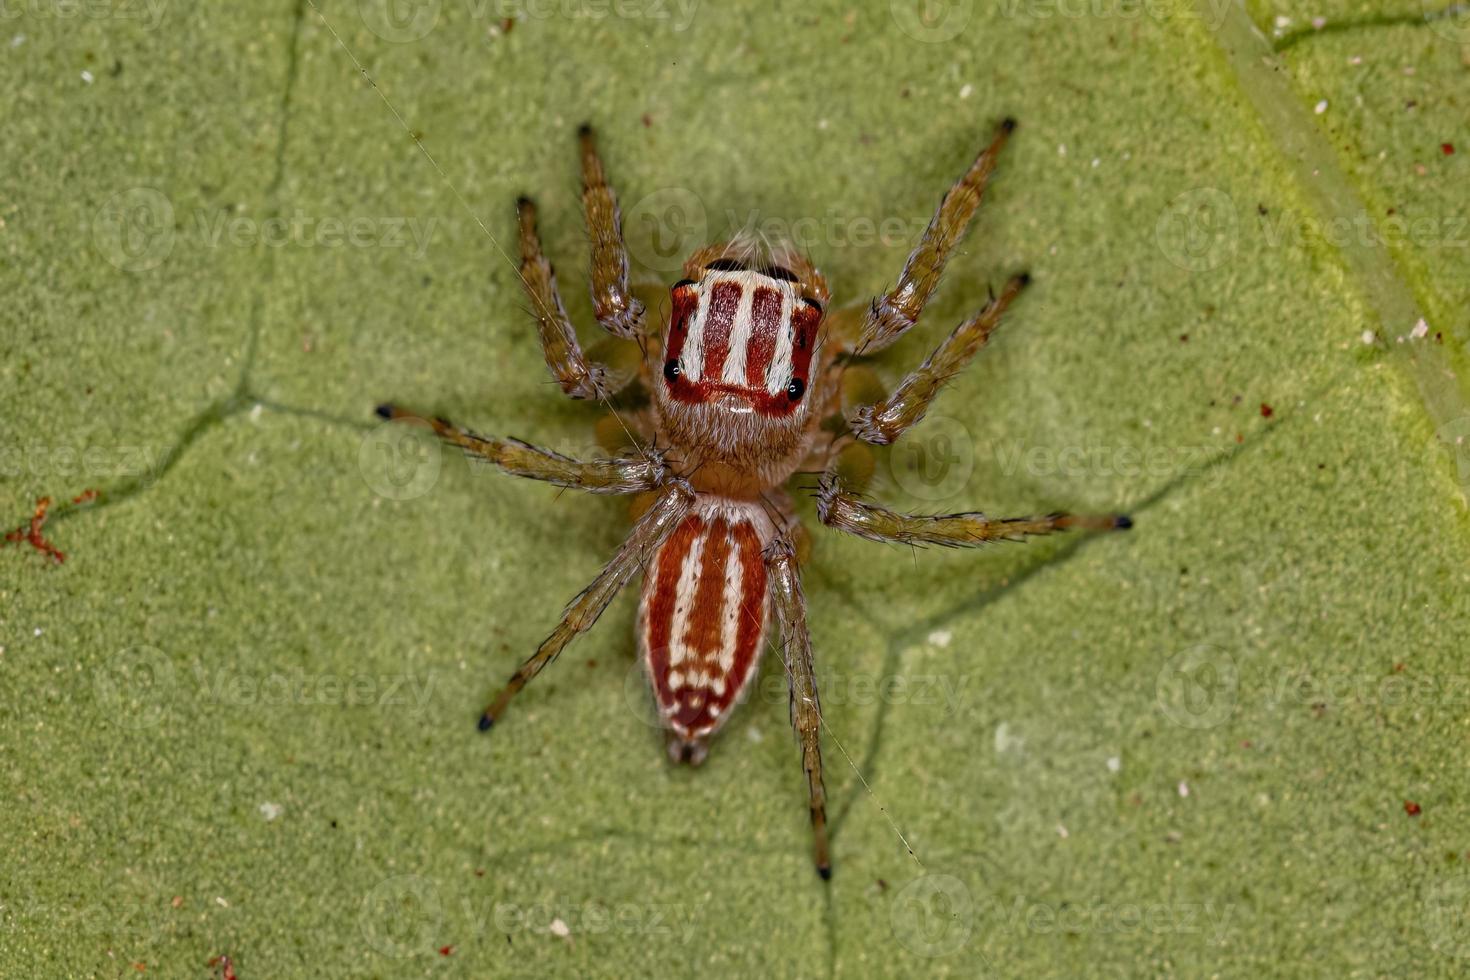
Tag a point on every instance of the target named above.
point(384, 411)
point(825, 870)
point(584, 130)
point(1122, 522)
point(1024, 279)
point(486, 723)
point(523, 202)
point(1009, 124)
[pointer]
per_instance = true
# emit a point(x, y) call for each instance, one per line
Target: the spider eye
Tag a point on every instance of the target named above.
point(671, 370)
point(795, 388)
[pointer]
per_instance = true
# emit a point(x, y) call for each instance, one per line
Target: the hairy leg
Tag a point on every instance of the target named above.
point(632, 473)
point(653, 528)
point(846, 511)
point(806, 712)
point(578, 377)
point(616, 309)
point(892, 314)
point(905, 406)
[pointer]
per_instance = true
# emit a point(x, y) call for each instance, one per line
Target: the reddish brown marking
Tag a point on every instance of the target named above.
point(703, 634)
point(666, 583)
point(685, 301)
point(724, 302)
point(31, 533)
point(753, 594)
point(688, 707)
point(1411, 808)
point(765, 329)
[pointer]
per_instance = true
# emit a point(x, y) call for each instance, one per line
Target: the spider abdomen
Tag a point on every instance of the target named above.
point(702, 618)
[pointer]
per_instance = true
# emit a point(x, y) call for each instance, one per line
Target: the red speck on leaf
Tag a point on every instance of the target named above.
point(1447, 148)
point(1398, 668)
point(226, 967)
point(507, 25)
point(446, 950)
point(31, 533)
point(1267, 411)
point(1411, 808)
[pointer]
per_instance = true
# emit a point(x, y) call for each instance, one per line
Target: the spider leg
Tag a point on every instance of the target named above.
point(846, 511)
point(885, 421)
point(629, 473)
point(806, 712)
point(651, 530)
point(578, 376)
point(896, 311)
point(616, 309)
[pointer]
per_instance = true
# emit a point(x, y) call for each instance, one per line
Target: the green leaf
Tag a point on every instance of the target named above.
point(239, 719)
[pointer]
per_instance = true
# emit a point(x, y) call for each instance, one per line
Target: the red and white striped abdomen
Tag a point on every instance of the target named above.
point(702, 618)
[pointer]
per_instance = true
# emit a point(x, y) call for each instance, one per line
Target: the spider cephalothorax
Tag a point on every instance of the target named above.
point(739, 378)
point(743, 380)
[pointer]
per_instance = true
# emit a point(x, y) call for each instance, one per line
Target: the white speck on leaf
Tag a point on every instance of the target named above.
point(1368, 336)
point(1114, 763)
point(1421, 330)
point(1005, 741)
point(967, 91)
point(941, 638)
point(86, 76)
point(1320, 107)
point(270, 810)
point(1062, 832)
point(1183, 788)
point(559, 928)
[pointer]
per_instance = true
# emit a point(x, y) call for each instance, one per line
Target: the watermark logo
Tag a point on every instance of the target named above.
point(402, 916)
point(133, 686)
point(1198, 230)
point(935, 460)
point(664, 227)
point(1454, 436)
point(399, 21)
point(149, 13)
point(134, 230)
point(931, 21)
point(933, 915)
point(1451, 22)
point(1447, 916)
point(1197, 687)
point(400, 459)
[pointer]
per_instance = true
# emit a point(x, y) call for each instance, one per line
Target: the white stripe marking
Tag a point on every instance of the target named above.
point(740, 331)
point(779, 372)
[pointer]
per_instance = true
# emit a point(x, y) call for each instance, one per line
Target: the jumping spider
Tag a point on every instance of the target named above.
point(750, 381)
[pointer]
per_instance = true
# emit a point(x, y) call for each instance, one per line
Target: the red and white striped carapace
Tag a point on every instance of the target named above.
point(702, 618)
point(745, 337)
point(741, 367)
